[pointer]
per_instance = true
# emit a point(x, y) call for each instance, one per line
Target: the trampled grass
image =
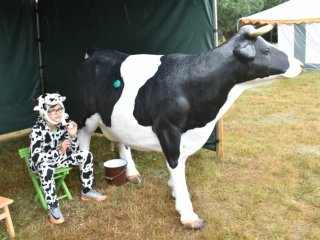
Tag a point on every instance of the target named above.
point(266, 187)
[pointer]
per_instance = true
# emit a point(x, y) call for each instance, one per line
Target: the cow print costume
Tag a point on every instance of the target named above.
point(44, 154)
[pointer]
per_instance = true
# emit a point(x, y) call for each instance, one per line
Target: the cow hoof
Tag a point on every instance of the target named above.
point(193, 225)
point(135, 179)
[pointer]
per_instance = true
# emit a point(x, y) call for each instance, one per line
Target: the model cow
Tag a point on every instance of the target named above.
point(171, 103)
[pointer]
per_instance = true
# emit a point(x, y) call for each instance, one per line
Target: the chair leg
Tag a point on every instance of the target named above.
point(39, 194)
point(58, 183)
point(9, 222)
point(66, 190)
point(61, 183)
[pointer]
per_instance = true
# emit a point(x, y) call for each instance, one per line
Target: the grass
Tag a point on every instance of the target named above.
point(266, 187)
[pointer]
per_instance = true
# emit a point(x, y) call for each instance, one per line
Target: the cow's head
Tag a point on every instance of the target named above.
point(260, 59)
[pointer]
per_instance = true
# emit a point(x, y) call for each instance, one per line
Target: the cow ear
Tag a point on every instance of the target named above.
point(245, 51)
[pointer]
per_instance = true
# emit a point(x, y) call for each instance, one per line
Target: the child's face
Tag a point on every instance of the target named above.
point(55, 113)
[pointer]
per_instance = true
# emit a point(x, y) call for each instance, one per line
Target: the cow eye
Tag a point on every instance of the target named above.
point(267, 51)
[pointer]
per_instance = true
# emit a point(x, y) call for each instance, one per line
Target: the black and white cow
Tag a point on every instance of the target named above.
point(171, 103)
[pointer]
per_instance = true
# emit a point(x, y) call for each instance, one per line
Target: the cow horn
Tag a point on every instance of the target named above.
point(260, 31)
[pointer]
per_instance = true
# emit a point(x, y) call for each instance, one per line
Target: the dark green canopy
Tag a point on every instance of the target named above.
point(69, 28)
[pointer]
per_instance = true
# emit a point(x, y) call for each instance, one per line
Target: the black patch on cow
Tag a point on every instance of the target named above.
point(97, 75)
point(182, 95)
point(188, 98)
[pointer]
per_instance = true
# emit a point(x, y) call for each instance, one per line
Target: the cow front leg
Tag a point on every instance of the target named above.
point(169, 137)
point(132, 173)
point(180, 192)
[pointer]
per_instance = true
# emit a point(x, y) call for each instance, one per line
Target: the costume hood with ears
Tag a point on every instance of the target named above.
point(47, 100)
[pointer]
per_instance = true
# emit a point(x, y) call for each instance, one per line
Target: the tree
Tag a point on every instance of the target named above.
point(229, 11)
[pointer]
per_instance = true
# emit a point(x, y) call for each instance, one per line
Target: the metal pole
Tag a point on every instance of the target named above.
point(36, 2)
point(219, 125)
point(215, 23)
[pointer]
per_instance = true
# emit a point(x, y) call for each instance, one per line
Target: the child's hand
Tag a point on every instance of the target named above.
point(65, 144)
point(72, 128)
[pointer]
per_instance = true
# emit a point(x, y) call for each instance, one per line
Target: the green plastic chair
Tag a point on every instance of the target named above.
point(59, 176)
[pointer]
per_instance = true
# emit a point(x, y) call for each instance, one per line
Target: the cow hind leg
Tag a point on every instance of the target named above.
point(132, 173)
point(84, 134)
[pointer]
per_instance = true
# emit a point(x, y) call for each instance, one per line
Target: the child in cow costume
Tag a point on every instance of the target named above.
point(54, 145)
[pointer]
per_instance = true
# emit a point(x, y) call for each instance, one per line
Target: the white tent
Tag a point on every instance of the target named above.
point(298, 24)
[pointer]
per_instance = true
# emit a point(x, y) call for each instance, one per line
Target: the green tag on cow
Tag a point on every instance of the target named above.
point(117, 83)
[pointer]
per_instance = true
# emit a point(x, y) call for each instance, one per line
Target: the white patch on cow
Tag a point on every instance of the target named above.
point(295, 68)
point(192, 140)
point(135, 71)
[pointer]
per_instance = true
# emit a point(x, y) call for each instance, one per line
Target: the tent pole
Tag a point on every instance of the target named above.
point(219, 125)
point(215, 23)
point(36, 2)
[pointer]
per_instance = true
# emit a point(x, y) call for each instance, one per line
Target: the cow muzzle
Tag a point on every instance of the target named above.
point(295, 68)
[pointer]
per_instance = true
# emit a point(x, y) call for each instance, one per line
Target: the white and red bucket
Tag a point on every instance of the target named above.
point(115, 170)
